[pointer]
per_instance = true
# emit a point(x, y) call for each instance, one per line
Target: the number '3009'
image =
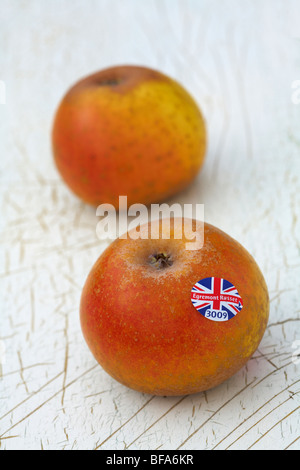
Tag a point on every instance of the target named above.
point(216, 314)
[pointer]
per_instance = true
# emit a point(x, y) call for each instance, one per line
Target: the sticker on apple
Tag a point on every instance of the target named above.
point(216, 299)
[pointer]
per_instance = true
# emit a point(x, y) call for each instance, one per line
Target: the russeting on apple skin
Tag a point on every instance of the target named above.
point(128, 131)
point(165, 320)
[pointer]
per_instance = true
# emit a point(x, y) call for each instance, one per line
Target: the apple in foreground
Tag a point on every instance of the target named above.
point(165, 320)
point(128, 130)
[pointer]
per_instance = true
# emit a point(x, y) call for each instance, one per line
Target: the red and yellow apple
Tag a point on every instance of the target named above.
point(142, 327)
point(128, 130)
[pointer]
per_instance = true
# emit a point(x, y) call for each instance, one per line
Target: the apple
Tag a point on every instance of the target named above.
point(165, 320)
point(128, 130)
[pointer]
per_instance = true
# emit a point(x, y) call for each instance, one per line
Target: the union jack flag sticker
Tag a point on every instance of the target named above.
point(216, 299)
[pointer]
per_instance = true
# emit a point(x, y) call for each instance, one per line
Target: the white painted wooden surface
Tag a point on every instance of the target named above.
point(239, 60)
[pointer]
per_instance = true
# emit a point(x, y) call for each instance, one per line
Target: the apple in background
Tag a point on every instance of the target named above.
point(165, 320)
point(128, 130)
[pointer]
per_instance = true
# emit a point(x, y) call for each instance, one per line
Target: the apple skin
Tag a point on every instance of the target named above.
point(129, 131)
point(142, 328)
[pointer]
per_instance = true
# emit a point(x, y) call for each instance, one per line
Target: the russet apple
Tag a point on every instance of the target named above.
point(165, 320)
point(128, 130)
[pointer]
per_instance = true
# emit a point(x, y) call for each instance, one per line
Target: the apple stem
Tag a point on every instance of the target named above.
point(110, 81)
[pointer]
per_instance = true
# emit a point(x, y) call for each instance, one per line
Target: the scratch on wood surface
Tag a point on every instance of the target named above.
point(66, 358)
point(8, 437)
point(17, 371)
point(253, 414)
point(124, 424)
point(22, 372)
point(157, 420)
point(47, 401)
point(98, 393)
point(282, 322)
point(66, 434)
point(213, 414)
point(274, 425)
point(292, 443)
point(267, 358)
point(272, 372)
point(30, 396)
